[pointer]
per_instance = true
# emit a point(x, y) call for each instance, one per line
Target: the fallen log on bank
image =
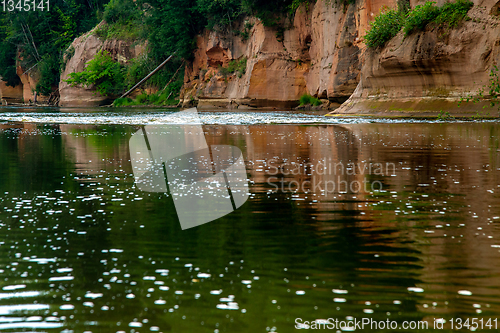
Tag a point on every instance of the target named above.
point(148, 76)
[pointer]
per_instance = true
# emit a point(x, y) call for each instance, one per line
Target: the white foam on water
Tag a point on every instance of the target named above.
point(161, 117)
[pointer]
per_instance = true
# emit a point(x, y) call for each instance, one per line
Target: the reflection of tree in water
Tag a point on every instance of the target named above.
point(29, 160)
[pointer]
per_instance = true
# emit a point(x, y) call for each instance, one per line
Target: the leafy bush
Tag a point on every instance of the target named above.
point(220, 13)
point(123, 20)
point(490, 92)
point(127, 31)
point(420, 16)
point(245, 33)
point(161, 98)
point(385, 26)
point(8, 60)
point(444, 116)
point(292, 8)
point(164, 98)
point(123, 102)
point(172, 26)
point(121, 11)
point(138, 68)
point(452, 13)
point(102, 72)
point(309, 100)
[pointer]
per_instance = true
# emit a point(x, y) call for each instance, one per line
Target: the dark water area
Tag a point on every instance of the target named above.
point(347, 219)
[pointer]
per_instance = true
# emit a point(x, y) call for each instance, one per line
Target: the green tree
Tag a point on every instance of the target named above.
point(173, 25)
point(41, 37)
point(7, 53)
point(220, 13)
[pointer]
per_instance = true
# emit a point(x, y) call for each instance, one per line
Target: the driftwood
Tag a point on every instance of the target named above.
point(30, 68)
point(54, 98)
point(148, 76)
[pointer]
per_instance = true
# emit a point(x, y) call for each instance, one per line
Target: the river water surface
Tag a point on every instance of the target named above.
point(347, 219)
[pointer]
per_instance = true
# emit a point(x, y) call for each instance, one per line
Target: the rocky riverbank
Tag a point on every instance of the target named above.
point(320, 51)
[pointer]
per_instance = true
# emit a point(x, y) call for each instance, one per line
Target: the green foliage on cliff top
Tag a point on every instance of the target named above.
point(123, 20)
point(418, 18)
point(384, 27)
point(389, 22)
point(450, 14)
point(173, 24)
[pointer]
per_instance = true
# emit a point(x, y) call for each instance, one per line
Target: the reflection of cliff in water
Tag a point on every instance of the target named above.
point(439, 183)
point(433, 224)
point(98, 149)
point(446, 185)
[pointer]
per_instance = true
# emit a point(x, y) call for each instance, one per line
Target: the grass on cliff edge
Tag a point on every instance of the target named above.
point(235, 66)
point(389, 22)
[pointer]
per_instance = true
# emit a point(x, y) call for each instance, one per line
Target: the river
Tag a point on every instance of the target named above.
point(347, 219)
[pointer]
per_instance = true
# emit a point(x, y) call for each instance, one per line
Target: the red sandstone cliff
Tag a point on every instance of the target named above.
point(319, 54)
point(430, 71)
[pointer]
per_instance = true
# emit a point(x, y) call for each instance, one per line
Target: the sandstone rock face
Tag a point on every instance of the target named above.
point(319, 54)
point(29, 79)
point(23, 92)
point(85, 48)
point(432, 70)
point(11, 94)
